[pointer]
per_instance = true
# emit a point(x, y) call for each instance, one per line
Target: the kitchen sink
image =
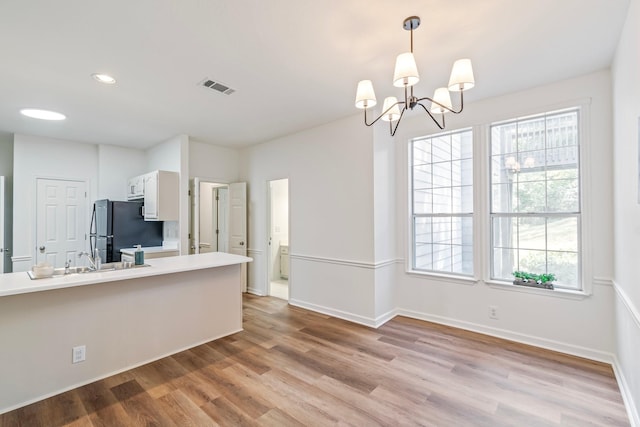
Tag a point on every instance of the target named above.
point(108, 266)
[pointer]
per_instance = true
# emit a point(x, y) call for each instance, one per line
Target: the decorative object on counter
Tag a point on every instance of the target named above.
point(139, 255)
point(42, 270)
point(544, 281)
point(405, 76)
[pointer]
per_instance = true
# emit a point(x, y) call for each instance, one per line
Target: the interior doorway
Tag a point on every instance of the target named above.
point(278, 244)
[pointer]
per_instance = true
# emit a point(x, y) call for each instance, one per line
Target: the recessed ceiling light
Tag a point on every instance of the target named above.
point(104, 78)
point(42, 114)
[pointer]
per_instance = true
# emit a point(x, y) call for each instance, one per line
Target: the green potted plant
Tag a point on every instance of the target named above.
point(535, 280)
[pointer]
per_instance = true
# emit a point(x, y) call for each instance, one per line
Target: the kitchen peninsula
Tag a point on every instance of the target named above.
point(123, 318)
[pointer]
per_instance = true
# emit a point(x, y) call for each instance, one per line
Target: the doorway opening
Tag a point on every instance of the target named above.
point(278, 244)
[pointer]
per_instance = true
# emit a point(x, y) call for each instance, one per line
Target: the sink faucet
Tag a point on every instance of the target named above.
point(91, 261)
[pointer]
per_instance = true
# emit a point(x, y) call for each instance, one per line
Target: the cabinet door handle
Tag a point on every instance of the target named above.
point(241, 243)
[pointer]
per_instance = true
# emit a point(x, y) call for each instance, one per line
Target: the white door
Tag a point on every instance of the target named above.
point(238, 224)
point(2, 219)
point(61, 207)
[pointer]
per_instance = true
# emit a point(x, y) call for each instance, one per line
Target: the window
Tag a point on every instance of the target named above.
point(535, 197)
point(442, 203)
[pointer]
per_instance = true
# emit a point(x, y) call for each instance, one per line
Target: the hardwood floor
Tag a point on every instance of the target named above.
point(292, 367)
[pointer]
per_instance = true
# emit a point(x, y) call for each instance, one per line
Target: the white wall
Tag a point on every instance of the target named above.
point(582, 326)
point(173, 155)
point(626, 117)
point(115, 166)
point(213, 163)
point(36, 157)
point(330, 171)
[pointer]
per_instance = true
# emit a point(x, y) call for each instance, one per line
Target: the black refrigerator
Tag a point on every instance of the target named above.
point(119, 225)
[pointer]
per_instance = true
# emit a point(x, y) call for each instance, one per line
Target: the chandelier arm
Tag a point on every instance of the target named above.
point(397, 124)
point(383, 113)
point(441, 126)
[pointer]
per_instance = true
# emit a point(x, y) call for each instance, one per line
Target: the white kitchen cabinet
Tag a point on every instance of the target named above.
point(135, 188)
point(161, 196)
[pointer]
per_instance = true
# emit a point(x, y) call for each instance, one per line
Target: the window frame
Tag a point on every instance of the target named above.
point(545, 214)
point(481, 182)
point(411, 267)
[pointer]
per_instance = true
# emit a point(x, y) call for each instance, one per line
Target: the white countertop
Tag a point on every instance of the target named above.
point(20, 283)
point(149, 250)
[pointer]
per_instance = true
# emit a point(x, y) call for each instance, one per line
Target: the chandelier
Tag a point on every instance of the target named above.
point(406, 75)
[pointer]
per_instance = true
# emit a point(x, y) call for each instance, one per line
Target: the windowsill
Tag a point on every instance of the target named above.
point(556, 293)
point(451, 278)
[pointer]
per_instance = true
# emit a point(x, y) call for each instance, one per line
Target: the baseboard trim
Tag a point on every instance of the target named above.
point(574, 350)
point(255, 291)
point(625, 391)
point(355, 318)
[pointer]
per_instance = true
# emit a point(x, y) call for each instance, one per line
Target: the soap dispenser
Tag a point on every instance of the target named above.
point(139, 255)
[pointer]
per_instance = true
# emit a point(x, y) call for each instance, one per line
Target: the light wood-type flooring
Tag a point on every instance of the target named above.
point(293, 367)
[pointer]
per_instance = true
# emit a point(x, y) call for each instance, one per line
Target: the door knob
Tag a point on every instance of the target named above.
point(42, 248)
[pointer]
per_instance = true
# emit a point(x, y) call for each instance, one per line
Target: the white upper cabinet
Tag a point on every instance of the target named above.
point(135, 188)
point(161, 196)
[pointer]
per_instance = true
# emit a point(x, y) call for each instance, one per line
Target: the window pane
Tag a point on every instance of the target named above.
point(562, 234)
point(504, 232)
point(421, 152)
point(531, 134)
point(442, 174)
point(532, 261)
point(532, 233)
point(504, 263)
point(422, 177)
point(442, 258)
point(442, 200)
point(531, 196)
point(442, 188)
point(564, 265)
point(562, 195)
point(502, 198)
point(423, 201)
point(503, 139)
point(535, 171)
point(441, 149)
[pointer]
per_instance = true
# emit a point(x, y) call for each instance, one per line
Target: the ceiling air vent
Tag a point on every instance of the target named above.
point(217, 86)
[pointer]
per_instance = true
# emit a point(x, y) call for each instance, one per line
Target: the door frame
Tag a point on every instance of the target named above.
point(194, 205)
point(268, 270)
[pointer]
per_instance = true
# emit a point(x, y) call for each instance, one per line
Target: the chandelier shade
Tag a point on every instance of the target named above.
point(406, 71)
point(405, 75)
point(365, 96)
point(461, 76)
point(441, 101)
point(391, 111)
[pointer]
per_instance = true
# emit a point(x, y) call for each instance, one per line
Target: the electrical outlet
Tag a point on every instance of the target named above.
point(79, 354)
point(493, 312)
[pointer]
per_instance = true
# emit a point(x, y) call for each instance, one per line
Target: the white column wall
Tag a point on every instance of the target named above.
point(331, 240)
point(173, 155)
point(213, 163)
point(582, 326)
point(626, 147)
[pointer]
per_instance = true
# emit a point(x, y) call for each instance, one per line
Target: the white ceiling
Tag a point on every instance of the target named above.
point(293, 63)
